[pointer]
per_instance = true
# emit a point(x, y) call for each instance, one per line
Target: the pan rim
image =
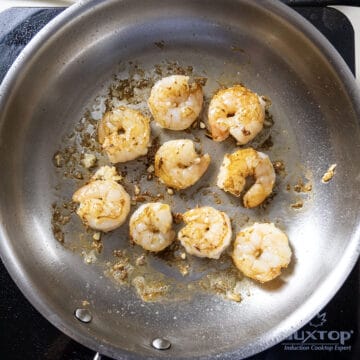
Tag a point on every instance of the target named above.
point(329, 287)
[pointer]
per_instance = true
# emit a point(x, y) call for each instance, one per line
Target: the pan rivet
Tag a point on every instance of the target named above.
point(161, 344)
point(83, 315)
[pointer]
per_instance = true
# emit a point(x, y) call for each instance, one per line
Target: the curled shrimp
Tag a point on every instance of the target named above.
point(104, 204)
point(207, 232)
point(174, 103)
point(124, 134)
point(261, 251)
point(236, 111)
point(238, 166)
point(151, 226)
point(178, 165)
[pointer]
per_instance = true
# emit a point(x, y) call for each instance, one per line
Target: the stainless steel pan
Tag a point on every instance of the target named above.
point(316, 108)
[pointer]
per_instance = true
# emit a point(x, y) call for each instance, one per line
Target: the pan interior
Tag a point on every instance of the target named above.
point(315, 125)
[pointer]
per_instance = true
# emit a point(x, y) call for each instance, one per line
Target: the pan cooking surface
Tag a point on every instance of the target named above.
point(315, 125)
point(172, 277)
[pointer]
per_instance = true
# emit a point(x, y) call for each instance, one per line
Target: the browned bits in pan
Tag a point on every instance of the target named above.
point(279, 166)
point(329, 174)
point(298, 204)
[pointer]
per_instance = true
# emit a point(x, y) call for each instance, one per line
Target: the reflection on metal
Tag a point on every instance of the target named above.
point(161, 344)
point(83, 315)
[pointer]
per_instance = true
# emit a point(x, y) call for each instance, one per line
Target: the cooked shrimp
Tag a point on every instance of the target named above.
point(241, 164)
point(261, 251)
point(174, 103)
point(124, 134)
point(151, 226)
point(104, 204)
point(178, 165)
point(236, 111)
point(207, 232)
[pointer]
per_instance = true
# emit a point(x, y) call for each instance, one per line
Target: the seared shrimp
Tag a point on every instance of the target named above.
point(261, 251)
point(124, 134)
point(151, 226)
point(104, 204)
point(236, 111)
point(241, 164)
point(174, 103)
point(178, 165)
point(207, 232)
